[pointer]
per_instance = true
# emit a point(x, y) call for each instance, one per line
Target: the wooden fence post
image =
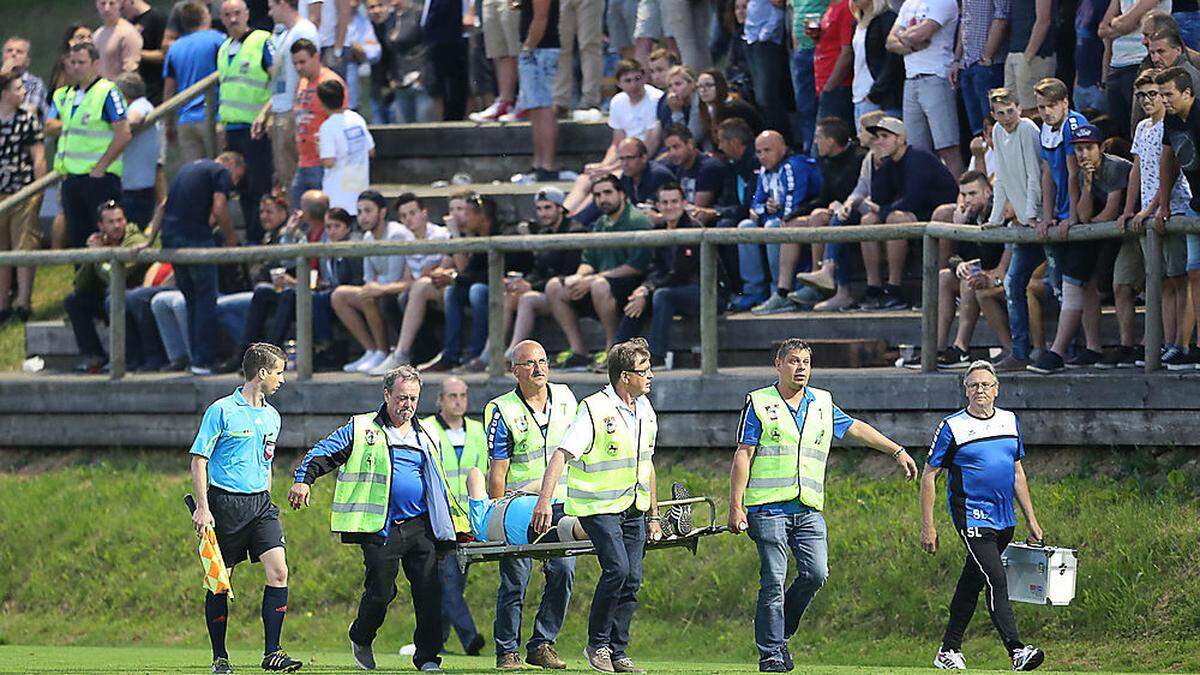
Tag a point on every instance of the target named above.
point(304, 324)
point(116, 320)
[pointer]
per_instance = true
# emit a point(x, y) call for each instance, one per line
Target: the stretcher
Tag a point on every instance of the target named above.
point(490, 551)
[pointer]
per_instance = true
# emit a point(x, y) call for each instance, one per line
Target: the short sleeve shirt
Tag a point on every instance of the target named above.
point(417, 263)
point(18, 135)
point(238, 440)
point(1181, 135)
point(114, 105)
point(704, 175)
point(284, 79)
point(310, 115)
point(1113, 177)
point(837, 30)
point(386, 269)
point(934, 59)
point(344, 137)
point(1147, 146)
point(190, 199)
point(578, 439)
point(634, 120)
point(190, 59)
point(980, 456)
point(750, 427)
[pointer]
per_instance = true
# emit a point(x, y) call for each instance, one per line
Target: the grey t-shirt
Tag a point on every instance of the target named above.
point(142, 154)
point(1113, 176)
point(386, 269)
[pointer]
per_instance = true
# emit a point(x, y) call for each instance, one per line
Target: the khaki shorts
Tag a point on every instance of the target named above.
point(1129, 268)
point(19, 228)
point(1020, 78)
point(501, 29)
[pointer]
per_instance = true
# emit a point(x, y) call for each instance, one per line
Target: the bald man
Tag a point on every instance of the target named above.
point(462, 447)
point(785, 183)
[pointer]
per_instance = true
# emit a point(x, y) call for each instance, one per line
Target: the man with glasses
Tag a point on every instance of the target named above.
point(611, 489)
point(777, 492)
point(523, 428)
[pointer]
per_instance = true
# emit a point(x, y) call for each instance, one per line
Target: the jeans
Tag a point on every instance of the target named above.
point(258, 178)
point(767, 62)
point(1189, 27)
point(666, 304)
point(306, 178)
point(750, 263)
point(836, 103)
point(457, 297)
point(620, 542)
point(83, 309)
point(143, 348)
point(839, 253)
point(1025, 259)
point(455, 611)
point(974, 83)
point(171, 319)
point(803, 87)
point(410, 105)
point(514, 577)
point(1090, 98)
point(777, 616)
point(198, 283)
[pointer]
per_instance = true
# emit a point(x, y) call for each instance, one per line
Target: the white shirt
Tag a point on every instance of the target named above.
point(934, 59)
point(578, 439)
point(635, 120)
point(457, 437)
point(344, 137)
point(862, 74)
point(284, 79)
point(415, 262)
point(1147, 146)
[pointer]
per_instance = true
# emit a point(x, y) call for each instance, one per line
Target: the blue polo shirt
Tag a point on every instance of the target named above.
point(750, 431)
point(238, 440)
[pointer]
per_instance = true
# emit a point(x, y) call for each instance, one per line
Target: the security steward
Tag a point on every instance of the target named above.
point(777, 490)
point(243, 66)
point(611, 489)
point(390, 498)
point(463, 447)
point(524, 427)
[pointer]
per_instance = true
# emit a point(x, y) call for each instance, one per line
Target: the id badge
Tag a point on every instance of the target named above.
point(268, 449)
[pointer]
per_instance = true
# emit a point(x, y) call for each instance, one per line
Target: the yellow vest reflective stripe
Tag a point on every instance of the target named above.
point(615, 471)
point(244, 81)
point(364, 482)
point(790, 462)
point(474, 455)
point(529, 450)
point(85, 135)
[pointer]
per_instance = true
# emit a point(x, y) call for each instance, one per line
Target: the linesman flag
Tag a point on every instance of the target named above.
point(216, 576)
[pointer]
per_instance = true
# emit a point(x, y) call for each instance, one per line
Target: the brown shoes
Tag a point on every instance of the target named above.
point(544, 656)
point(509, 661)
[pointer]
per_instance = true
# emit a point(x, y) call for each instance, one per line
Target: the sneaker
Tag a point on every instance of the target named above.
point(817, 280)
point(874, 299)
point(353, 366)
point(514, 115)
point(787, 656)
point(493, 112)
point(524, 178)
point(1119, 357)
point(200, 371)
point(544, 656)
point(679, 517)
point(475, 365)
point(1046, 363)
point(570, 362)
point(22, 314)
point(744, 303)
point(377, 357)
point(364, 656)
point(509, 661)
point(177, 366)
point(1176, 359)
point(807, 296)
point(626, 665)
point(1027, 658)
point(892, 299)
point(430, 667)
point(1085, 358)
point(599, 362)
point(279, 662)
point(393, 360)
point(776, 304)
point(772, 666)
point(587, 115)
point(599, 659)
point(475, 646)
point(90, 364)
point(953, 358)
point(439, 364)
point(221, 665)
point(949, 659)
point(1011, 364)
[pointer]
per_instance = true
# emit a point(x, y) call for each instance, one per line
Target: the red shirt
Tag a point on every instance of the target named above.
point(310, 114)
point(837, 31)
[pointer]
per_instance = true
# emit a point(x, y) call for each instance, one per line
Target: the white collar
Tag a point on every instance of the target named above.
point(640, 404)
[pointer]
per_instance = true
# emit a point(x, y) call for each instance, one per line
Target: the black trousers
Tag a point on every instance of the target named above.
point(83, 309)
point(81, 196)
point(451, 78)
point(258, 179)
point(982, 571)
point(410, 544)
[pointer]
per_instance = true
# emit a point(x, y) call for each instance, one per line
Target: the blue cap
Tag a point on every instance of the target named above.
point(1087, 133)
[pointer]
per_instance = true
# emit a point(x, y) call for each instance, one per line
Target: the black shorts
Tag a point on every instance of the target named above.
point(247, 524)
point(621, 288)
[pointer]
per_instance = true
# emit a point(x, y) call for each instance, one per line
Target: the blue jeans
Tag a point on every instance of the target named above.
point(750, 263)
point(974, 82)
point(837, 103)
point(198, 283)
point(665, 304)
point(867, 105)
point(804, 88)
point(143, 347)
point(1025, 259)
point(455, 611)
point(457, 297)
point(1189, 27)
point(306, 178)
point(839, 252)
point(1090, 98)
point(778, 613)
point(514, 577)
point(620, 541)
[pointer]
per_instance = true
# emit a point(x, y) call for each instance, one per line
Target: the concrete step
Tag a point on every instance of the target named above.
point(514, 202)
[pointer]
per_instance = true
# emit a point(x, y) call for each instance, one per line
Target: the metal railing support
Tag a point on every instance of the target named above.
point(1154, 310)
point(116, 320)
point(929, 303)
point(304, 333)
point(708, 308)
point(495, 317)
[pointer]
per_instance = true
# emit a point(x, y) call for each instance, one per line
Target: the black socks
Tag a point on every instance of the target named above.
point(216, 615)
point(274, 607)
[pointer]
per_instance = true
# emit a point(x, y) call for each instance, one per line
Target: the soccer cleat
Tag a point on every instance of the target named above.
point(221, 665)
point(544, 656)
point(599, 659)
point(679, 516)
point(1027, 658)
point(279, 662)
point(626, 665)
point(949, 659)
point(364, 656)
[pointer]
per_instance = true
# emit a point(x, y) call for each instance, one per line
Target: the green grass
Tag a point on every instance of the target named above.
point(50, 286)
point(96, 552)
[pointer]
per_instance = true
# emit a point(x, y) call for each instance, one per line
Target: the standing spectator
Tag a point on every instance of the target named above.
point(977, 68)
point(501, 44)
point(441, 24)
point(120, 44)
point(878, 73)
point(332, 29)
point(151, 23)
point(399, 78)
point(648, 35)
point(1089, 56)
point(833, 61)
point(346, 148)
point(1033, 34)
point(700, 176)
point(718, 104)
point(540, 56)
point(139, 180)
point(1166, 50)
point(924, 35)
point(23, 158)
point(59, 75)
point(277, 118)
point(190, 59)
point(362, 51)
point(579, 21)
point(767, 59)
point(310, 114)
point(244, 62)
point(199, 196)
point(804, 14)
point(1060, 167)
point(1120, 25)
point(16, 61)
point(90, 159)
point(689, 22)
point(621, 19)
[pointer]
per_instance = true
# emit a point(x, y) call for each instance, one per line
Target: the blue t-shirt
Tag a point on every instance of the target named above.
point(190, 59)
point(190, 199)
point(238, 440)
point(979, 455)
point(1056, 148)
point(750, 431)
point(516, 519)
point(408, 488)
point(268, 59)
point(114, 106)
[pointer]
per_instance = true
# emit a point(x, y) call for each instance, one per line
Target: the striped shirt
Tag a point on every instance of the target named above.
point(980, 456)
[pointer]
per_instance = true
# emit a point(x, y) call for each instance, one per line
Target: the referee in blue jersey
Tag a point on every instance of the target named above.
point(980, 447)
point(231, 479)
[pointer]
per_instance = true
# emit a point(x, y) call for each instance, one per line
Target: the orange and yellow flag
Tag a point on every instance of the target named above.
point(216, 577)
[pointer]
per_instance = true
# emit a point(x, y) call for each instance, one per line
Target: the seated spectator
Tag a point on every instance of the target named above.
point(1102, 181)
point(143, 346)
point(346, 148)
point(525, 294)
point(839, 162)
point(735, 141)
point(700, 176)
point(640, 178)
point(1181, 130)
point(718, 104)
point(908, 185)
point(87, 303)
point(659, 65)
point(672, 285)
point(24, 157)
point(331, 273)
point(190, 59)
point(359, 306)
point(1141, 208)
point(142, 170)
point(973, 277)
point(784, 183)
point(680, 104)
point(924, 35)
point(878, 74)
point(602, 283)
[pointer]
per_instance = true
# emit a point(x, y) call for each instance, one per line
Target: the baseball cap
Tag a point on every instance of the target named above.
point(890, 124)
point(1088, 133)
point(550, 194)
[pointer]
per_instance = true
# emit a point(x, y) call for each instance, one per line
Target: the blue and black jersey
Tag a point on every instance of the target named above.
point(980, 456)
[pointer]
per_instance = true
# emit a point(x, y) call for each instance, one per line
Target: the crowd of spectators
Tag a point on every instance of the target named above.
point(730, 114)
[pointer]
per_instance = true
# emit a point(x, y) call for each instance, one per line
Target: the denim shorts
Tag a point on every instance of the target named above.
point(1193, 247)
point(536, 71)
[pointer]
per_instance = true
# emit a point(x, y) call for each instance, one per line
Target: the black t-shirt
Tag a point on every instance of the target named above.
point(190, 199)
point(550, 37)
point(151, 24)
point(1182, 136)
point(705, 175)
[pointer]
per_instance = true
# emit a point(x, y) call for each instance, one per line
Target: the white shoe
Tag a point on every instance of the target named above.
point(587, 115)
point(1027, 658)
point(949, 660)
point(201, 370)
point(408, 650)
point(353, 365)
point(377, 357)
point(493, 112)
point(393, 360)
